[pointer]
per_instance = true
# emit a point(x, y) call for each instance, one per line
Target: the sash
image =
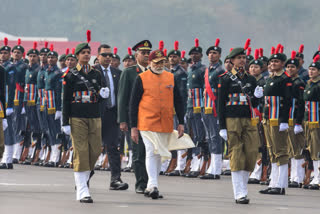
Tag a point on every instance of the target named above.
point(7, 95)
point(1, 110)
point(209, 96)
point(51, 105)
point(291, 112)
point(19, 89)
point(313, 114)
point(42, 99)
point(197, 99)
point(31, 90)
point(274, 108)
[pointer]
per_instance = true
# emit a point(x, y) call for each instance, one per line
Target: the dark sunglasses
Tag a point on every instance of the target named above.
point(106, 54)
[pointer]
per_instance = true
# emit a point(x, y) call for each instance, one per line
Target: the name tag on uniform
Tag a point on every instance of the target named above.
point(243, 98)
point(85, 98)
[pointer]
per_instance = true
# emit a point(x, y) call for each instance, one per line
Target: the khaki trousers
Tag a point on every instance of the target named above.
point(277, 143)
point(86, 142)
point(1, 139)
point(313, 142)
point(243, 144)
point(296, 144)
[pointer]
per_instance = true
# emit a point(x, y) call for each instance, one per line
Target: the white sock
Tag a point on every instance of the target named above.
point(237, 183)
point(300, 171)
point(293, 170)
point(181, 162)
point(81, 179)
point(217, 164)
point(316, 179)
point(283, 176)
point(256, 174)
point(274, 175)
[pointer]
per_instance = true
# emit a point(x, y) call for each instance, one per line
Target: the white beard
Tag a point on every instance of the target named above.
point(157, 71)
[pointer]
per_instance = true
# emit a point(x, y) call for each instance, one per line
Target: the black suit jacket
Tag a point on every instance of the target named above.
point(115, 76)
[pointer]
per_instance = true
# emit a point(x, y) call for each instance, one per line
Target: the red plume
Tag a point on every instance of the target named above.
point(256, 54)
point(24, 55)
point(67, 51)
point(19, 41)
point(273, 50)
point(183, 53)
point(73, 51)
point(247, 44)
point(293, 54)
point(165, 52)
point(319, 48)
point(88, 36)
point(231, 49)
point(51, 47)
point(129, 51)
point(196, 42)
point(161, 45)
point(249, 51)
point(115, 50)
point(316, 58)
point(281, 49)
point(46, 44)
point(217, 42)
point(301, 48)
point(35, 45)
point(261, 52)
point(176, 45)
point(278, 48)
point(5, 41)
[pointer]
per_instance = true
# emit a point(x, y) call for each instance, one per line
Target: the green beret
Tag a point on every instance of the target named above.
point(315, 65)
point(174, 52)
point(213, 48)
point(264, 59)
point(236, 51)
point(256, 62)
point(279, 56)
point(44, 50)
point(52, 53)
point(128, 57)
point(62, 57)
point(116, 56)
point(18, 47)
point(300, 55)
point(33, 51)
point(81, 46)
point(249, 58)
point(225, 59)
point(5, 48)
point(71, 55)
point(292, 62)
point(195, 49)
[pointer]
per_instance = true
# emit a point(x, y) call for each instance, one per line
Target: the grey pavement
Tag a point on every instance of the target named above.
point(31, 189)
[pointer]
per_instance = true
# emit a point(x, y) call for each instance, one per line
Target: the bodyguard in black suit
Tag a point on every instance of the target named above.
point(110, 127)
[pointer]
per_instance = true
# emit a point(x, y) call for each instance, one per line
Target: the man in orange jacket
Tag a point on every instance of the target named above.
point(153, 99)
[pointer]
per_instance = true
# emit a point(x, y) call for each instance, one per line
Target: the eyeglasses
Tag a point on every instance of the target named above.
point(106, 54)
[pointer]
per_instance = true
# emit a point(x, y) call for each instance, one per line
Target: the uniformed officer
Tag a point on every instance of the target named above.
point(53, 87)
point(82, 92)
point(44, 155)
point(10, 85)
point(312, 98)
point(126, 82)
point(178, 162)
point(303, 73)
point(278, 98)
point(3, 120)
point(184, 61)
point(209, 115)
point(237, 96)
point(195, 105)
point(115, 62)
point(19, 110)
point(261, 167)
point(296, 134)
point(30, 99)
point(264, 59)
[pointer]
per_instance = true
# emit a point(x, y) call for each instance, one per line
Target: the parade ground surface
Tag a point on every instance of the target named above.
point(30, 189)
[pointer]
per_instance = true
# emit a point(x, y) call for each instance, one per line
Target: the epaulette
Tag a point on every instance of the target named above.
point(287, 74)
point(223, 74)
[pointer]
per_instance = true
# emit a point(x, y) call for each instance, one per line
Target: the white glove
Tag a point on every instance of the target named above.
point(298, 129)
point(23, 110)
point(258, 92)
point(4, 124)
point(9, 111)
point(104, 92)
point(283, 127)
point(66, 130)
point(223, 134)
point(58, 115)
